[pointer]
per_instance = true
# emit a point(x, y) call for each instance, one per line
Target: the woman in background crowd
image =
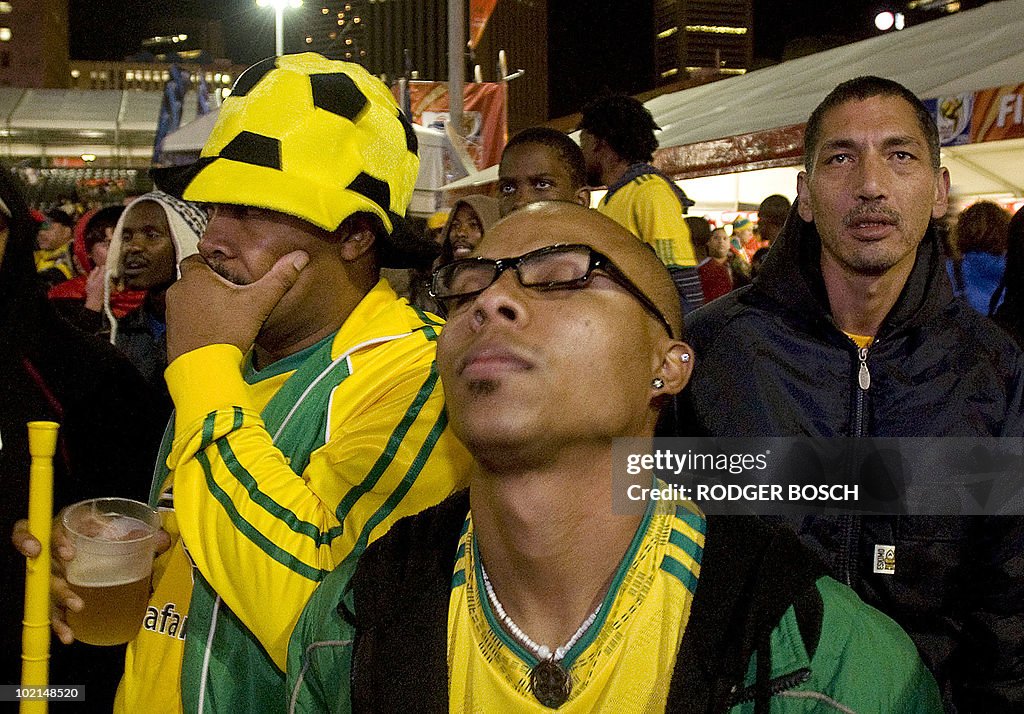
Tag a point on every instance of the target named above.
point(980, 235)
point(80, 300)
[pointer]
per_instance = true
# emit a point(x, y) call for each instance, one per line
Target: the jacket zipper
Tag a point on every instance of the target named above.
point(775, 686)
point(863, 384)
point(852, 535)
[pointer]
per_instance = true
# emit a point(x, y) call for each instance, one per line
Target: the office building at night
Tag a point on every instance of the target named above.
point(694, 36)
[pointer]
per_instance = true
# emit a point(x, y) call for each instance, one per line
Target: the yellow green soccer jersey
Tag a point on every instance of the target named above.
point(650, 210)
point(623, 663)
point(263, 530)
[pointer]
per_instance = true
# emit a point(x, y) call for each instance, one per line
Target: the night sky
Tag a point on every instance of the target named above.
point(593, 45)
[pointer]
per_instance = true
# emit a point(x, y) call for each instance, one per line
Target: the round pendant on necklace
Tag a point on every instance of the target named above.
point(550, 683)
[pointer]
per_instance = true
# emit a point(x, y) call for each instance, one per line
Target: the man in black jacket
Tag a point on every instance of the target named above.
point(851, 329)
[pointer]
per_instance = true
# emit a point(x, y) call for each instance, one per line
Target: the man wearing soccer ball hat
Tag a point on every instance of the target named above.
point(309, 416)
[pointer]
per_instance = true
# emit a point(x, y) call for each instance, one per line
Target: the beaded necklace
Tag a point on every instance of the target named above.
point(549, 681)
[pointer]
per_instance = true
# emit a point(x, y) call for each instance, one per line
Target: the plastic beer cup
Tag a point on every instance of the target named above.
point(114, 547)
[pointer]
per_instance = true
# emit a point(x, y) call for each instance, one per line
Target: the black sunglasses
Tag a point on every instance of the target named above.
point(550, 268)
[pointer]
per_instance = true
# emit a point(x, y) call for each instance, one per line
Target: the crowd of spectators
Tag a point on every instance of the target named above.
point(310, 416)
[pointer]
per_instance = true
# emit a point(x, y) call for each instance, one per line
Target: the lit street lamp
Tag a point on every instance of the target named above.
point(886, 21)
point(279, 8)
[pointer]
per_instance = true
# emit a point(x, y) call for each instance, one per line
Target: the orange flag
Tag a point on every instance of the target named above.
point(479, 13)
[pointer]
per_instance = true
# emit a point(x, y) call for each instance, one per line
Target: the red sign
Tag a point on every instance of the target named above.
point(484, 118)
point(67, 162)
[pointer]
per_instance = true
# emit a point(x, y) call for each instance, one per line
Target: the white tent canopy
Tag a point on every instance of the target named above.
point(84, 110)
point(190, 137)
point(964, 52)
point(70, 122)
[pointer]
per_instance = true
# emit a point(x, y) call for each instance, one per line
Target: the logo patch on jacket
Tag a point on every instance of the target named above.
point(885, 559)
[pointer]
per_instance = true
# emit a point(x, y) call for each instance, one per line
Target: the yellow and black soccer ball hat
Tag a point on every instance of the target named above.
point(315, 138)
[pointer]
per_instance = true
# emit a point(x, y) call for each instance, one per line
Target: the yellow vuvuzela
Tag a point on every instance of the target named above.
point(35, 643)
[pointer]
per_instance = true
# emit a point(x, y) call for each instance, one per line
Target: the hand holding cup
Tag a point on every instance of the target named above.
point(114, 541)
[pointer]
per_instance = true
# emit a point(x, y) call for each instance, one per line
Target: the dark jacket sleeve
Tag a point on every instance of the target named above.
point(991, 656)
point(75, 312)
point(113, 421)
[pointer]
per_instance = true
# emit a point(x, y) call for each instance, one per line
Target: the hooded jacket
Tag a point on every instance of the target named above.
point(766, 631)
point(487, 212)
point(936, 368)
point(140, 334)
point(418, 290)
point(107, 441)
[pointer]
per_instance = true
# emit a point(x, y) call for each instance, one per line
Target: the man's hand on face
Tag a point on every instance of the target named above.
point(205, 309)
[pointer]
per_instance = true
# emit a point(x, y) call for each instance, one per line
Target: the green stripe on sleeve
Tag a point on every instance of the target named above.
point(208, 424)
point(459, 579)
point(249, 531)
point(274, 509)
point(392, 501)
point(686, 544)
point(695, 521)
point(388, 455)
point(427, 319)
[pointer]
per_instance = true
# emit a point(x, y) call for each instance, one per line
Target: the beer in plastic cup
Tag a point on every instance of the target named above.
point(114, 547)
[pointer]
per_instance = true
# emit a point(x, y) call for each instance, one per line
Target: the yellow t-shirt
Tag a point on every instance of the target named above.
point(649, 209)
point(623, 663)
point(862, 341)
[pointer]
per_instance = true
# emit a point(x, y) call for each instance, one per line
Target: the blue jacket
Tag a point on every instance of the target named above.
point(975, 277)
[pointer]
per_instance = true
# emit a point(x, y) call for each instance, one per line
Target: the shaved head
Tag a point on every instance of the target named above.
point(553, 222)
point(540, 371)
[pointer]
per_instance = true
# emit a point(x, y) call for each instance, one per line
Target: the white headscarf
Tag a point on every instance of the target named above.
point(187, 223)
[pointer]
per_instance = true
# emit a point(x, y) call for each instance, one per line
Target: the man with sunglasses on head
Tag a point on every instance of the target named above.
point(530, 590)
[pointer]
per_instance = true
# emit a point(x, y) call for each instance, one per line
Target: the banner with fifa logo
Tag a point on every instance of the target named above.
point(953, 117)
point(998, 114)
point(990, 114)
